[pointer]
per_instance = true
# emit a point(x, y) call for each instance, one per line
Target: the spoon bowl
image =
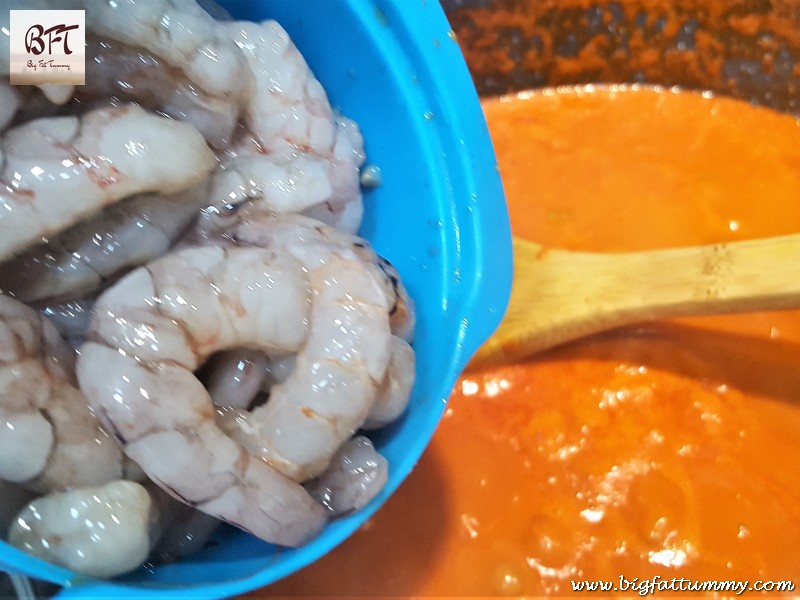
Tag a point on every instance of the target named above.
point(559, 296)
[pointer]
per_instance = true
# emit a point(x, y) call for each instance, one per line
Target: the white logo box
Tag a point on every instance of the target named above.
point(47, 47)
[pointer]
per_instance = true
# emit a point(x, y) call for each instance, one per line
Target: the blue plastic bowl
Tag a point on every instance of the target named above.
point(439, 216)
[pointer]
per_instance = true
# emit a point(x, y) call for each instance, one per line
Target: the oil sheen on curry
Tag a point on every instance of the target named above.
point(666, 449)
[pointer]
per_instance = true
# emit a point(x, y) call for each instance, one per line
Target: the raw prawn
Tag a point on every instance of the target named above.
point(58, 170)
point(293, 180)
point(255, 228)
point(79, 260)
point(234, 379)
point(343, 361)
point(99, 531)
point(395, 389)
point(287, 108)
point(301, 156)
point(181, 34)
point(49, 439)
point(115, 69)
point(344, 208)
point(355, 476)
point(104, 531)
point(155, 327)
point(307, 237)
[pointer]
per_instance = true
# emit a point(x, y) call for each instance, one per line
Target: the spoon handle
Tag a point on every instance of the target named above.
point(559, 295)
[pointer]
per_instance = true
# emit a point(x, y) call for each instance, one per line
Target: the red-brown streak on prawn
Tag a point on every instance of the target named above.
point(187, 335)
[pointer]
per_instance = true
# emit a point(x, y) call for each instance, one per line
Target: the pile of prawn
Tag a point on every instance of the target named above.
point(191, 332)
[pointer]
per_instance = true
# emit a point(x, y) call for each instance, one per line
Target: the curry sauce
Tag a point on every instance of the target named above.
point(665, 449)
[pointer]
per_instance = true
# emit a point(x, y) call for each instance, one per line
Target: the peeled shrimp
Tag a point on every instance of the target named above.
point(79, 260)
point(98, 531)
point(153, 329)
point(170, 55)
point(344, 208)
point(395, 389)
point(308, 240)
point(49, 440)
point(293, 155)
point(58, 170)
point(292, 181)
point(287, 107)
point(355, 476)
point(115, 69)
point(344, 358)
point(255, 228)
point(235, 378)
point(302, 156)
point(181, 33)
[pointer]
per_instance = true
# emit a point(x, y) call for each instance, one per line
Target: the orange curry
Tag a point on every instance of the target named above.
point(665, 449)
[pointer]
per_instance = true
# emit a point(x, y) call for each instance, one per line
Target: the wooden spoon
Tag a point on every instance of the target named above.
point(559, 296)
